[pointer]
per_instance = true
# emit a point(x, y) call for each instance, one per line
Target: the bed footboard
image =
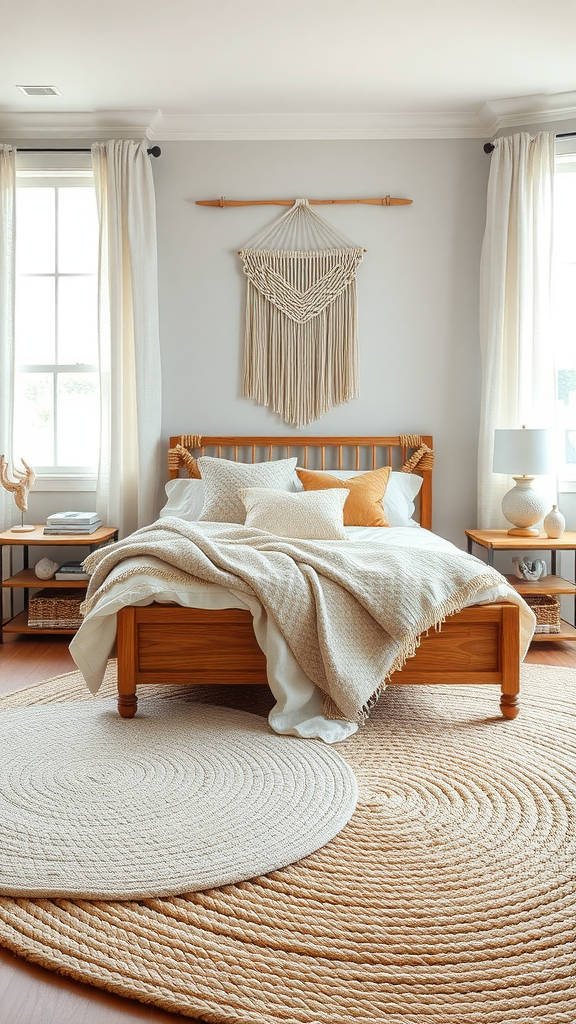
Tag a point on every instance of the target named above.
point(477, 645)
point(170, 644)
point(173, 645)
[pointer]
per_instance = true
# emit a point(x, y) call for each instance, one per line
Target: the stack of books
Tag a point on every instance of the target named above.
point(71, 571)
point(72, 522)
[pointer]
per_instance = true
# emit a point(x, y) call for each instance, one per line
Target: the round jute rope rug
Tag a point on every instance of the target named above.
point(183, 797)
point(448, 898)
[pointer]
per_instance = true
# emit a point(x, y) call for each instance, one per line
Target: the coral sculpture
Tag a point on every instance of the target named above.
point(21, 486)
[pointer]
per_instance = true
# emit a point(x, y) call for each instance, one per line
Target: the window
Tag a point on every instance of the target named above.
point(564, 290)
point(56, 402)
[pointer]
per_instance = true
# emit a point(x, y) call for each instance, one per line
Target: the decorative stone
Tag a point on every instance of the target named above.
point(554, 523)
point(45, 568)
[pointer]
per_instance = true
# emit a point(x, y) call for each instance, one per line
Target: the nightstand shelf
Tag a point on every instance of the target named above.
point(548, 585)
point(501, 540)
point(567, 632)
point(19, 624)
point(26, 579)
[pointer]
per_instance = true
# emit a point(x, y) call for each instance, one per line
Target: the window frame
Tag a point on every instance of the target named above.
point(54, 170)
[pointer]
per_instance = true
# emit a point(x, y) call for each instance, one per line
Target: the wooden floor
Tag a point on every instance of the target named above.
point(32, 995)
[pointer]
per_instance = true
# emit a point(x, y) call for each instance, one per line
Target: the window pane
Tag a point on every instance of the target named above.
point(77, 336)
point(57, 415)
point(564, 285)
point(570, 448)
point(34, 418)
point(77, 231)
point(565, 217)
point(564, 292)
point(34, 320)
point(35, 230)
point(78, 419)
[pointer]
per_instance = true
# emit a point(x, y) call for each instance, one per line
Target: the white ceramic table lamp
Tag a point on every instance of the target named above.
point(523, 454)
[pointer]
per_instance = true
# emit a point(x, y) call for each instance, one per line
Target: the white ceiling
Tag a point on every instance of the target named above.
point(286, 68)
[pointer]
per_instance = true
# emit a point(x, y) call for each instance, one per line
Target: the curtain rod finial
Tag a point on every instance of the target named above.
point(488, 147)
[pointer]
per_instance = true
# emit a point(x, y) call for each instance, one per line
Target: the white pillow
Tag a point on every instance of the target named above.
point(310, 515)
point(223, 479)
point(398, 500)
point(185, 499)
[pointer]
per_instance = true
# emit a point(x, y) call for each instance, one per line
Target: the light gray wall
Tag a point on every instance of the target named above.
point(417, 290)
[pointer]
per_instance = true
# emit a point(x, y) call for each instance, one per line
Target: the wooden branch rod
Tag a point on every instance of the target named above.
point(385, 201)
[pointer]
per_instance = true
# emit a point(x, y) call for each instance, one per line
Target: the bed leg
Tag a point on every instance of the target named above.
point(510, 661)
point(127, 654)
point(127, 704)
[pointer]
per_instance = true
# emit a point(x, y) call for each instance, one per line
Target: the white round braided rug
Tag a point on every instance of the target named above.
point(448, 898)
point(180, 798)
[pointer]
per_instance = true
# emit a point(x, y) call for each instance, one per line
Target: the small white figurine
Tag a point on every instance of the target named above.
point(527, 570)
point(19, 487)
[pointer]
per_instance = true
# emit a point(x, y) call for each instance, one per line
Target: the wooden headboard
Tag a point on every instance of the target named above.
point(344, 453)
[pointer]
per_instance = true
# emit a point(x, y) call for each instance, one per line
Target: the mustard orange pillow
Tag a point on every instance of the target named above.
point(363, 506)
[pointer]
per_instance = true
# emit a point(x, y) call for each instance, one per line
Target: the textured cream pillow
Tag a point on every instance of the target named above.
point(364, 503)
point(223, 479)
point(314, 515)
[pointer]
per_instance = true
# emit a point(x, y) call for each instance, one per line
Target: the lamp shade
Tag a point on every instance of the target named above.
point(523, 452)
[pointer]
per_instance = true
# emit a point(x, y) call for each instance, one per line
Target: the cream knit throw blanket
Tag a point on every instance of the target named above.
point(351, 612)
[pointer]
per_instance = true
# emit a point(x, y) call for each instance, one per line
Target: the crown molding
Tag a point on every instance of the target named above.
point(525, 110)
point(97, 126)
point(178, 126)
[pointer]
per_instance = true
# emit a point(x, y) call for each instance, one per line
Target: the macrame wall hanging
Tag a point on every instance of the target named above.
point(301, 334)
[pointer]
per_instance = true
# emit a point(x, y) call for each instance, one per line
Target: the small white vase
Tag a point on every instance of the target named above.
point(554, 523)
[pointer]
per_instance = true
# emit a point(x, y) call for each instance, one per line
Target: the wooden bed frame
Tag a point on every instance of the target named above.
point(163, 643)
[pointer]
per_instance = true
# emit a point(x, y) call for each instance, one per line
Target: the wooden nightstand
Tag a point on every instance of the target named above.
point(501, 540)
point(26, 579)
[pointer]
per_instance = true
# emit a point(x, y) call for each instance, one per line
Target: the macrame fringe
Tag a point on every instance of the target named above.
point(301, 370)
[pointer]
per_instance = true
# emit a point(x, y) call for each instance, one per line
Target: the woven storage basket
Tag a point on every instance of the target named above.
point(547, 611)
point(56, 609)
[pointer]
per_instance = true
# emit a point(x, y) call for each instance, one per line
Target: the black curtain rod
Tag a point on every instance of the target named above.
point(154, 151)
point(488, 146)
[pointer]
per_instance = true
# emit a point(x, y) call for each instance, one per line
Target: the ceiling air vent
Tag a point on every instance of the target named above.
point(39, 90)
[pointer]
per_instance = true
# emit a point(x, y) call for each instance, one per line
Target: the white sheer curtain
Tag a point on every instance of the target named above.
point(128, 335)
point(8, 510)
point(518, 383)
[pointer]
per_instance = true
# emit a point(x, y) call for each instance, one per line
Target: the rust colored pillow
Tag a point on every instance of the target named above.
point(363, 506)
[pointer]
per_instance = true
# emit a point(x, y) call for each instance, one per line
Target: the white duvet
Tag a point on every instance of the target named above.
point(298, 708)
